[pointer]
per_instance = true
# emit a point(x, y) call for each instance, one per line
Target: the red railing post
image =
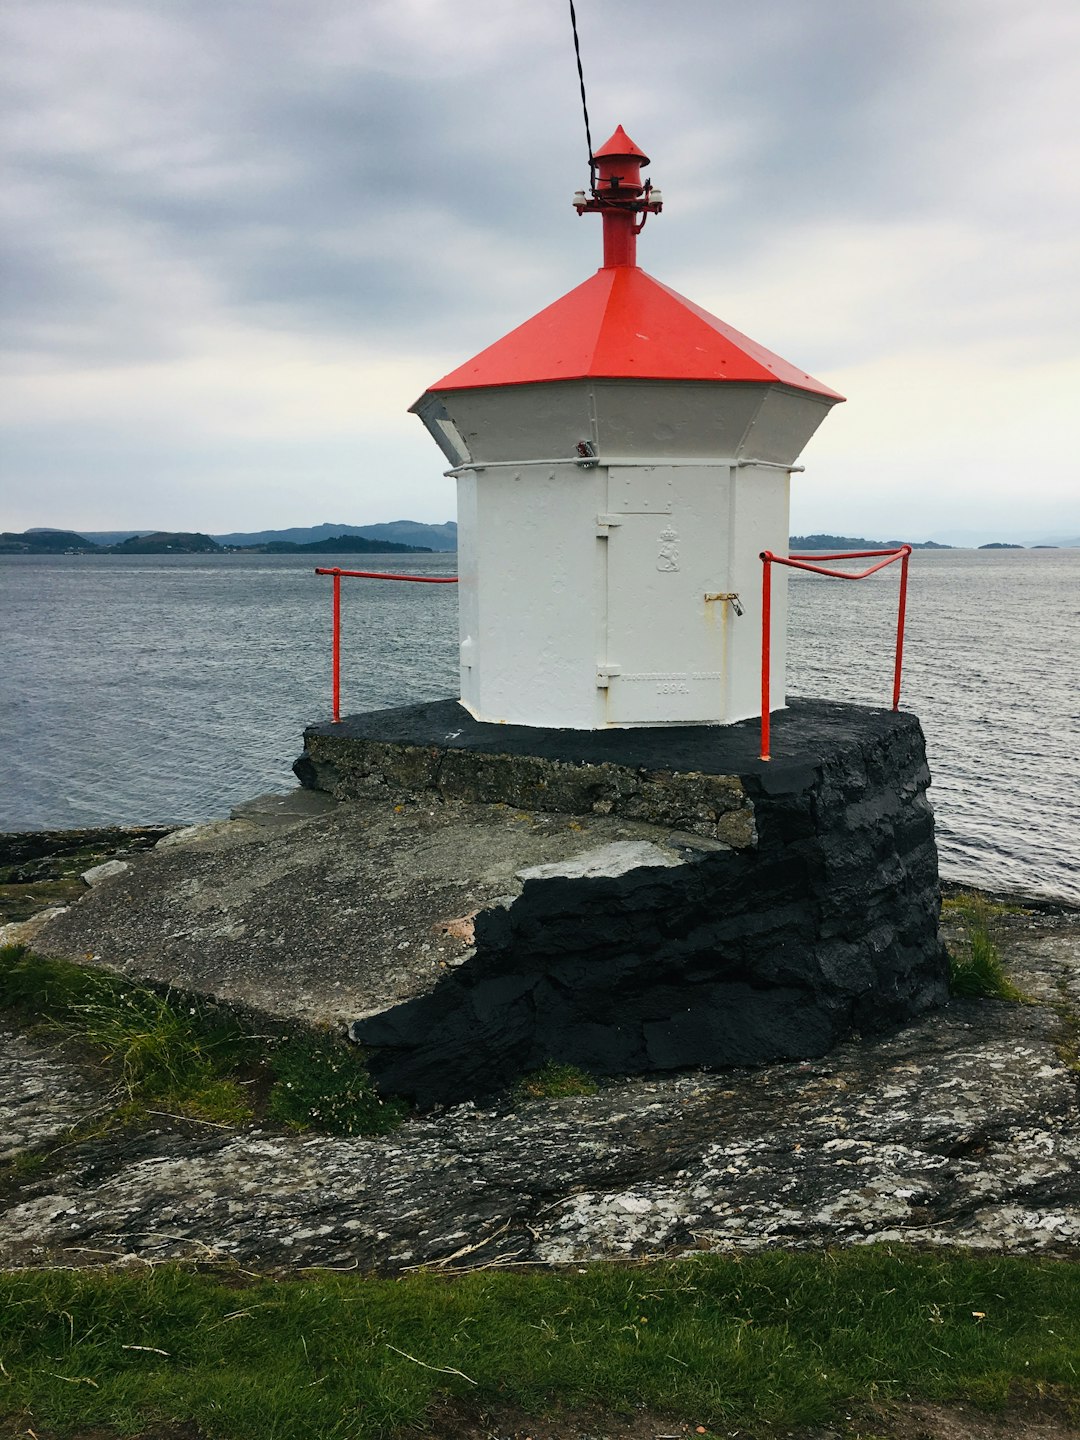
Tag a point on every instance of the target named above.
point(766, 648)
point(336, 662)
point(900, 615)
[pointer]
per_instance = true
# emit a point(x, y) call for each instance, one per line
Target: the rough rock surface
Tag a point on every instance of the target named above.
point(28, 848)
point(961, 1128)
point(108, 870)
point(42, 1095)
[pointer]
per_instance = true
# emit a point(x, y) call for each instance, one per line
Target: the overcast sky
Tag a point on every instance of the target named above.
point(242, 236)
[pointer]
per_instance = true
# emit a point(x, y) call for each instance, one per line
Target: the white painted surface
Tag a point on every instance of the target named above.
point(582, 590)
point(531, 610)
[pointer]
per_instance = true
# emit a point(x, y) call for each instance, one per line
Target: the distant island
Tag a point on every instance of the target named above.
point(1004, 545)
point(858, 542)
point(42, 542)
point(160, 542)
point(163, 542)
point(336, 545)
point(392, 532)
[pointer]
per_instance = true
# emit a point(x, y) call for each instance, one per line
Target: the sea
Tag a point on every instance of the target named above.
point(146, 689)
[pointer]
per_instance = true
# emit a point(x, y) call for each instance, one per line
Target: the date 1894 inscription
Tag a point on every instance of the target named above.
point(669, 682)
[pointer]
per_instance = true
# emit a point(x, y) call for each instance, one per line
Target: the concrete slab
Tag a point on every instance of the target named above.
point(274, 809)
point(803, 732)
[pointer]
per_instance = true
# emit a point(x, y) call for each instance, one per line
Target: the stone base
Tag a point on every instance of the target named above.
point(779, 906)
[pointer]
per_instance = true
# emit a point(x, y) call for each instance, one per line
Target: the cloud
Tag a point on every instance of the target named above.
point(237, 236)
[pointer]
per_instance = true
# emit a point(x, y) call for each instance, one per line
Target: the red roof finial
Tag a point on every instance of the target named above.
point(620, 196)
point(621, 147)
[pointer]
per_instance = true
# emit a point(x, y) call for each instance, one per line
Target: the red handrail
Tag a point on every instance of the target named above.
point(364, 575)
point(805, 562)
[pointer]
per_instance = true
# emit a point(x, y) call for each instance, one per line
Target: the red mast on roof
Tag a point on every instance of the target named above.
point(620, 196)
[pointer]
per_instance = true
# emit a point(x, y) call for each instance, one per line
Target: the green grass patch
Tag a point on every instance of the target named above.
point(322, 1084)
point(164, 1052)
point(771, 1340)
point(975, 964)
point(553, 1082)
point(192, 1058)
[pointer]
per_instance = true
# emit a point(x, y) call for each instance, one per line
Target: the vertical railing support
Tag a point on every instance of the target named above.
point(900, 614)
point(336, 662)
point(766, 650)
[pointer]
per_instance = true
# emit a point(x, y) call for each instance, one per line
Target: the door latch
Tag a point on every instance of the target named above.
point(731, 596)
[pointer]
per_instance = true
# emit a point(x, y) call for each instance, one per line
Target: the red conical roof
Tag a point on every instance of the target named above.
point(622, 323)
point(621, 146)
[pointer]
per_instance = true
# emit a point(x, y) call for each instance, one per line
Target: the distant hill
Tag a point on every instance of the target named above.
point(340, 545)
point(158, 542)
point(396, 532)
point(858, 542)
point(166, 542)
point(92, 537)
point(42, 542)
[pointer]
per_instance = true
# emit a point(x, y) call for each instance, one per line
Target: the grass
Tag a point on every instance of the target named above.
point(554, 1082)
point(160, 1050)
point(190, 1057)
point(975, 967)
point(777, 1339)
point(324, 1086)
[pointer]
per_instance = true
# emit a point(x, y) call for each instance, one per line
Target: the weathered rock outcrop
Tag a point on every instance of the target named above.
point(961, 1128)
point(818, 916)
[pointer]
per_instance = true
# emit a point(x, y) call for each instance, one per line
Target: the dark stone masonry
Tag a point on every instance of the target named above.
point(782, 906)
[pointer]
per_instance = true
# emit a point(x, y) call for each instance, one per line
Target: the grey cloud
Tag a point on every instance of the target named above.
point(400, 171)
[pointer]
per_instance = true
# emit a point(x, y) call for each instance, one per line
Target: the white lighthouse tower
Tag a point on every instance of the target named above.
point(622, 459)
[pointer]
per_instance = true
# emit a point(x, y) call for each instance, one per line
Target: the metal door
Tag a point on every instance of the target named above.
point(666, 550)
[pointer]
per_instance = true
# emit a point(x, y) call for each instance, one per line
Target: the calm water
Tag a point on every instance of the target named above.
point(137, 689)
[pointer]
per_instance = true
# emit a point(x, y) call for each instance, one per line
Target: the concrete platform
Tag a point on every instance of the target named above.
point(693, 777)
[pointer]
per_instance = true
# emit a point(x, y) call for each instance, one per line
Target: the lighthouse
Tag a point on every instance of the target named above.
point(621, 458)
point(647, 888)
